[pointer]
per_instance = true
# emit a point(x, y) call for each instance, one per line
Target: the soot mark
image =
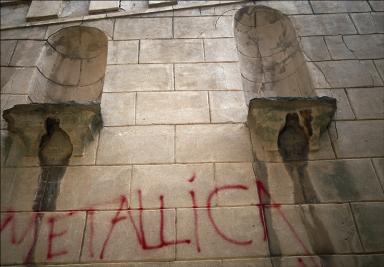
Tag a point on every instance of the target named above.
point(54, 153)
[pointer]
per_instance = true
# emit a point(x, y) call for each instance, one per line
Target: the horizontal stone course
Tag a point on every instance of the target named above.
point(327, 24)
point(118, 109)
point(7, 48)
point(204, 27)
point(27, 53)
point(220, 49)
point(138, 77)
point(123, 52)
point(172, 107)
point(142, 28)
point(212, 143)
point(367, 102)
point(136, 144)
point(339, 6)
point(228, 106)
point(171, 51)
point(207, 76)
point(353, 139)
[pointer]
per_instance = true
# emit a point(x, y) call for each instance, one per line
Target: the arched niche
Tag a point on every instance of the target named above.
point(271, 61)
point(71, 67)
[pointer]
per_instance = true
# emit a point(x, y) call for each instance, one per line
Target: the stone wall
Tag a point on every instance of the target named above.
point(172, 179)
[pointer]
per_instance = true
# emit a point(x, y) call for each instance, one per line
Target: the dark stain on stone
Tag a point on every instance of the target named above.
point(54, 153)
point(318, 235)
point(293, 141)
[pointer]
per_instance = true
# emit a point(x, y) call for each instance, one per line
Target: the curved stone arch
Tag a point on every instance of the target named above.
point(71, 67)
point(271, 60)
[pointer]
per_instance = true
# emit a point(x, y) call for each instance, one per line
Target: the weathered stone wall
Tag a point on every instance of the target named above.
point(172, 180)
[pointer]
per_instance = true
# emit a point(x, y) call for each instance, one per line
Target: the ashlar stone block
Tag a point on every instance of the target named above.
point(339, 6)
point(118, 109)
point(207, 76)
point(221, 233)
point(213, 143)
point(27, 53)
point(368, 22)
point(379, 167)
point(367, 102)
point(142, 77)
point(344, 110)
point(103, 6)
point(370, 220)
point(123, 241)
point(171, 51)
point(172, 107)
point(16, 80)
point(353, 139)
point(337, 48)
point(84, 187)
point(366, 46)
point(143, 28)
point(136, 144)
point(7, 48)
point(236, 174)
point(203, 27)
point(327, 24)
point(315, 48)
point(123, 52)
point(43, 10)
point(227, 106)
point(173, 182)
point(220, 49)
point(312, 229)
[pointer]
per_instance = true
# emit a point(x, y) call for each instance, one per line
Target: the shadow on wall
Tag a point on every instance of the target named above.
point(271, 61)
point(71, 66)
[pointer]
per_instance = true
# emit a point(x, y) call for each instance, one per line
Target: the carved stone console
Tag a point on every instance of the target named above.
point(79, 121)
point(268, 116)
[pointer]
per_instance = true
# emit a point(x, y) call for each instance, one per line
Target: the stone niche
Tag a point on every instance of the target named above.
point(277, 85)
point(71, 66)
point(271, 61)
point(80, 122)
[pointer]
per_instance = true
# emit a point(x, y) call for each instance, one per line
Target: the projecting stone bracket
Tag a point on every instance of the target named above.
point(267, 117)
point(81, 122)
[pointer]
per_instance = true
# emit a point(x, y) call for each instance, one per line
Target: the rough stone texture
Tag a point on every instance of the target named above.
point(367, 102)
point(353, 139)
point(143, 28)
point(8, 101)
point(136, 144)
point(220, 49)
point(234, 174)
point(171, 51)
point(27, 53)
point(345, 73)
point(344, 110)
point(103, 6)
point(353, 260)
point(123, 244)
point(42, 10)
point(172, 108)
point(337, 48)
point(331, 225)
point(84, 187)
point(367, 46)
point(19, 187)
point(322, 182)
point(379, 167)
point(339, 6)
point(7, 48)
point(370, 220)
point(123, 52)
point(315, 48)
point(174, 183)
point(231, 221)
point(207, 76)
point(227, 106)
point(368, 22)
point(205, 27)
point(118, 109)
point(157, 77)
point(227, 142)
point(329, 24)
point(16, 80)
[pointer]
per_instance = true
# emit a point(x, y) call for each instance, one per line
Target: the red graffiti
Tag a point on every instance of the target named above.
point(125, 213)
point(209, 203)
point(52, 236)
